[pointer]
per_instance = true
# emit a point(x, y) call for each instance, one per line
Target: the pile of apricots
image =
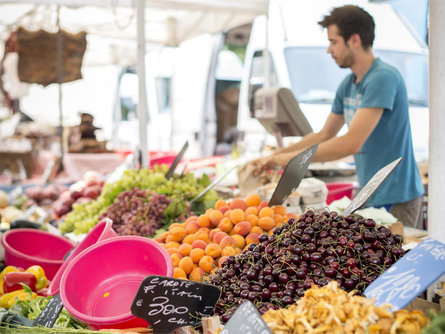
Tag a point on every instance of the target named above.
point(199, 245)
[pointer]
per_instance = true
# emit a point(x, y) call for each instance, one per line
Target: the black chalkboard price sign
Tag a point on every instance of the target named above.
point(170, 303)
point(370, 187)
point(50, 313)
point(246, 320)
point(292, 175)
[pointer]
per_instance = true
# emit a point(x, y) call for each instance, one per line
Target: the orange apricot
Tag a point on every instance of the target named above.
point(175, 259)
point(172, 244)
point(240, 241)
point(253, 200)
point(256, 229)
point(206, 263)
point(236, 216)
point(251, 210)
point(252, 238)
point(278, 218)
point(164, 236)
point(227, 242)
point(196, 274)
point(252, 219)
point(186, 264)
point(219, 236)
point(266, 212)
point(192, 227)
point(201, 235)
point(213, 250)
point(238, 203)
point(178, 233)
point(204, 221)
point(266, 223)
point(215, 217)
point(221, 260)
point(199, 244)
point(171, 251)
point(227, 251)
point(242, 228)
point(220, 203)
point(213, 232)
point(224, 209)
point(263, 204)
point(279, 210)
point(196, 254)
point(188, 239)
point(185, 249)
point(179, 273)
point(225, 225)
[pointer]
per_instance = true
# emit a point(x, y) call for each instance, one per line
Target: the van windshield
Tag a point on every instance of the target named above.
point(315, 76)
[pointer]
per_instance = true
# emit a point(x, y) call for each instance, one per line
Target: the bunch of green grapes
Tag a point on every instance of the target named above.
point(185, 187)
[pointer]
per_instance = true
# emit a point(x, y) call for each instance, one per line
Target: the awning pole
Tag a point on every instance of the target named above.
point(142, 103)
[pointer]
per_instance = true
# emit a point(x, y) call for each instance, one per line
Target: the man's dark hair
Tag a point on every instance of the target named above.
point(351, 20)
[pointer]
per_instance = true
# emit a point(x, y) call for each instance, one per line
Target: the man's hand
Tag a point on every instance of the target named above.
point(270, 162)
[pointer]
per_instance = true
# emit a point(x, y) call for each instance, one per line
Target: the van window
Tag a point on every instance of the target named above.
point(315, 76)
point(256, 78)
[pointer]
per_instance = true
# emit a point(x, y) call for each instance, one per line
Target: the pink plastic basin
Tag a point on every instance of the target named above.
point(103, 230)
point(25, 247)
point(99, 285)
point(339, 190)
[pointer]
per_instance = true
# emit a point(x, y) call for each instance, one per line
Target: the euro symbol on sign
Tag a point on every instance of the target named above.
point(139, 302)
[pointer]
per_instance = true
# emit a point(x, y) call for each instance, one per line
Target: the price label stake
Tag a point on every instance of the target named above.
point(370, 188)
point(246, 319)
point(170, 303)
point(50, 313)
point(292, 176)
point(409, 276)
point(175, 163)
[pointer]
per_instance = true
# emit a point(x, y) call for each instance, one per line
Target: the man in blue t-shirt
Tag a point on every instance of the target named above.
point(373, 102)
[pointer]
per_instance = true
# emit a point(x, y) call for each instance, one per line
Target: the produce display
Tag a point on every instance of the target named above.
point(183, 188)
point(203, 242)
point(13, 281)
point(330, 309)
point(313, 249)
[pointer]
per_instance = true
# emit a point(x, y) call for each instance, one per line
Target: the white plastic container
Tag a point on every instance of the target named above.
point(316, 207)
point(313, 191)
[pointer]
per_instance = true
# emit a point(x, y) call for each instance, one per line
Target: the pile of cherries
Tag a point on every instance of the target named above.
point(314, 249)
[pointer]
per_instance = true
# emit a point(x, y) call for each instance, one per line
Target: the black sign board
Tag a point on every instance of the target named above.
point(246, 320)
point(170, 303)
point(370, 188)
point(175, 163)
point(50, 313)
point(292, 176)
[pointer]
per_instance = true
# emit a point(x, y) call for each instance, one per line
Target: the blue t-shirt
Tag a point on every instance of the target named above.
point(382, 87)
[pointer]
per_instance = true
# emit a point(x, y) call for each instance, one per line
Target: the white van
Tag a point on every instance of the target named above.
point(298, 60)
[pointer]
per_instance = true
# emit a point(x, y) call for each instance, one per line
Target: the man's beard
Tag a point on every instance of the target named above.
point(348, 61)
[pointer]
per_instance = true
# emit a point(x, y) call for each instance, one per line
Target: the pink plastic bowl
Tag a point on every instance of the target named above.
point(99, 285)
point(25, 247)
point(103, 230)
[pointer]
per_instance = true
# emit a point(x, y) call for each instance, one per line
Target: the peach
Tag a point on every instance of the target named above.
point(219, 236)
point(251, 210)
point(178, 233)
point(242, 228)
point(238, 203)
point(221, 260)
point(201, 235)
point(179, 273)
point(196, 254)
point(206, 263)
point(172, 244)
point(199, 244)
point(186, 264)
point(279, 210)
point(227, 251)
point(278, 219)
point(185, 249)
point(227, 241)
point(263, 204)
point(266, 212)
point(252, 219)
point(213, 232)
point(196, 274)
point(175, 259)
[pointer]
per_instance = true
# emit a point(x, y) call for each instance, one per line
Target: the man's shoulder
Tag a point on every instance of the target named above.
point(384, 70)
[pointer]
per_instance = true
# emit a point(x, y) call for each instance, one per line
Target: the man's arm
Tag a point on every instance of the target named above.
point(362, 124)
